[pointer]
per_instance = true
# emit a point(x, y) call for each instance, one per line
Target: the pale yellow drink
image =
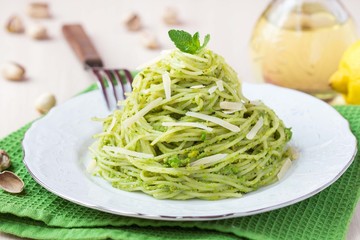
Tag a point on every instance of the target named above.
point(303, 51)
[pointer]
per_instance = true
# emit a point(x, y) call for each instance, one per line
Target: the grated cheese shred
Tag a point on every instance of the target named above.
point(237, 106)
point(207, 160)
point(212, 89)
point(285, 167)
point(252, 133)
point(167, 85)
point(128, 122)
point(220, 85)
point(215, 120)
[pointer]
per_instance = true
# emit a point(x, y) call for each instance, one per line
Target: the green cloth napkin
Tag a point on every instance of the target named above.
point(39, 214)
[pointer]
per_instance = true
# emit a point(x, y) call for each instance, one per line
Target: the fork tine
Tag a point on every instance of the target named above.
point(128, 76)
point(110, 75)
point(113, 81)
point(102, 86)
point(120, 80)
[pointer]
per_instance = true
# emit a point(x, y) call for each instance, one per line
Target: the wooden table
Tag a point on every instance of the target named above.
point(52, 67)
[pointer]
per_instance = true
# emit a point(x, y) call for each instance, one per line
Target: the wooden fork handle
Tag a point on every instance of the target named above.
point(82, 45)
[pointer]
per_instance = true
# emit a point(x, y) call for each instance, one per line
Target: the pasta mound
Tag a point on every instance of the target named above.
point(186, 131)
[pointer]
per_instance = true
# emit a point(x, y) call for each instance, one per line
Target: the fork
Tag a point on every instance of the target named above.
point(112, 82)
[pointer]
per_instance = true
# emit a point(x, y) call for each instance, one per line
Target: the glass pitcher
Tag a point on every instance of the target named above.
point(298, 44)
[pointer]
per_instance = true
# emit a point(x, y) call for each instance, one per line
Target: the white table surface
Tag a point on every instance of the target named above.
point(52, 67)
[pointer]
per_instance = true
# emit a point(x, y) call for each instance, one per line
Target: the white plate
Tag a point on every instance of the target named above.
point(56, 155)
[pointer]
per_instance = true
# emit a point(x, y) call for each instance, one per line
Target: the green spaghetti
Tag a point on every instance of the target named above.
point(186, 131)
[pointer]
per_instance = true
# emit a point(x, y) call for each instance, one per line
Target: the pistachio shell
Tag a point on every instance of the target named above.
point(14, 25)
point(45, 102)
point(37, 32)
point(10, 182)
point(13, 71)
point(4, 160)
point(132, 22)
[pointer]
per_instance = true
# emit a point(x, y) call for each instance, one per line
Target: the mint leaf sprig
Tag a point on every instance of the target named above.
point(187, 43)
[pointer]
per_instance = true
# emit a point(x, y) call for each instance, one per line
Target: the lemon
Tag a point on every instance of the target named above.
point(353, 95)
point(346, 79)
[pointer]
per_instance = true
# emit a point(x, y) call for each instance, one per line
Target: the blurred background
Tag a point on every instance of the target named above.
point(128, 33)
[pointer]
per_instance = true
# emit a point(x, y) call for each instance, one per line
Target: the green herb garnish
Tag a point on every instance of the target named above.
point(203, 136)
point(288, 134)
point(175, 161)
point(187, 43)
